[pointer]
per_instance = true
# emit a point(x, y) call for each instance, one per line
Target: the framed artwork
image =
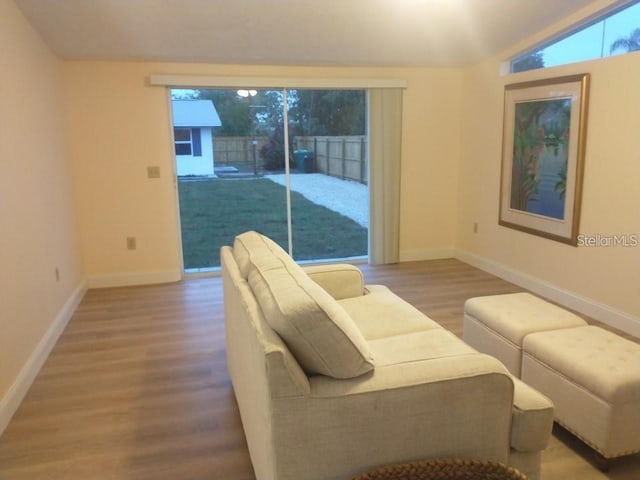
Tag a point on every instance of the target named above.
point(543, 143)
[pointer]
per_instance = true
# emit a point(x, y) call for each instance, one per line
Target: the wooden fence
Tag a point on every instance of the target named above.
point(343, 157)
point(338, 156)
point(240, 152)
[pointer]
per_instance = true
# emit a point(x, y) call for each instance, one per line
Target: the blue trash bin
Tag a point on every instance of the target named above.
point(304, 160)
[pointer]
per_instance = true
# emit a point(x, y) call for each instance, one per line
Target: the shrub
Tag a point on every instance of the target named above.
point(272, 154)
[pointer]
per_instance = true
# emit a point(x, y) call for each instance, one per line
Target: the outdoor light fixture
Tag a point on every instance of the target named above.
point(247, 93)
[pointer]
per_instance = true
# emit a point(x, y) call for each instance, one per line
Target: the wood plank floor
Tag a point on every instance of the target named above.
point(137, 387)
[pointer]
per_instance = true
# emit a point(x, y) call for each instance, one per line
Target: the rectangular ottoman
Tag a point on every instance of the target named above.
point(497, 324)
point(593, 378)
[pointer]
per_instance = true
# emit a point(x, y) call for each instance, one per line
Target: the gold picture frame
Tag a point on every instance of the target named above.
point(543, 148)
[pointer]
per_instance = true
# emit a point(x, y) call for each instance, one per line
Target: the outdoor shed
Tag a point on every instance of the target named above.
point(193, 122)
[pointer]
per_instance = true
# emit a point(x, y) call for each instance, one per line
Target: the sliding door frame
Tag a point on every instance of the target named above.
point(284, 84)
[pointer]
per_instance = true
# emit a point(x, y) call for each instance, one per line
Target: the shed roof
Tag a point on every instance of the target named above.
point(195, 113)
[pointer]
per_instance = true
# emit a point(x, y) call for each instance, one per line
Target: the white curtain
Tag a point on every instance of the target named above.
point(385, 137)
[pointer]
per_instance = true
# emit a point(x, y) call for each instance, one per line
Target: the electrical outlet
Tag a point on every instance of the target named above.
point(475, 227)
point(131, 243)
point(153, 172)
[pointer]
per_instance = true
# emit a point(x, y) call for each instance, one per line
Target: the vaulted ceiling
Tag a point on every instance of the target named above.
point(292, 32)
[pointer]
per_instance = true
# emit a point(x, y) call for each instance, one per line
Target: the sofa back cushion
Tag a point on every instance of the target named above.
point(254, 243)
point(317, 330)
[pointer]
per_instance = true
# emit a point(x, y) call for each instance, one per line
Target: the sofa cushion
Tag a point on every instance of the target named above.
point(380, 313)
point(418, 346)
point(253, 242)
point(317, 330)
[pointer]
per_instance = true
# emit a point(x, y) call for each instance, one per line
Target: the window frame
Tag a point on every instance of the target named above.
point(182, 143)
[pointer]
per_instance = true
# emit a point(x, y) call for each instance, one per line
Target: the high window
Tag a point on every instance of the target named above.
point(615, 33)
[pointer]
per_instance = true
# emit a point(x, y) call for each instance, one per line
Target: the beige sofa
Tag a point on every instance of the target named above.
point(333, 377)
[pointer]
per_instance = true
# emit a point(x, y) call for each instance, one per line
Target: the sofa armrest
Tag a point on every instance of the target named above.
point(532, 419)
point(340, 280)
point(456, 406)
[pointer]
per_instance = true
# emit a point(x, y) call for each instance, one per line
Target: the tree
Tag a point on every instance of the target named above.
point(244, 116)
point(530, 61)
point(311, 112)
point(328, 112)
point(630, 43)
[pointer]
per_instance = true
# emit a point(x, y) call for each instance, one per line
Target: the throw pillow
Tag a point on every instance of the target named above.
point(318, 331)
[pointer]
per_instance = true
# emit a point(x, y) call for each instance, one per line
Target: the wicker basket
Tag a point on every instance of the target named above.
point(443, 469)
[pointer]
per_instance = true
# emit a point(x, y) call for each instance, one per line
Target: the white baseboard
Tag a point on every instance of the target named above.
point(428, 254)
point(138, 278)
point(598, 311)
point(12, 399)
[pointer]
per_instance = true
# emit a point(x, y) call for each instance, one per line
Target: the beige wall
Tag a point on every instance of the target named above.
point(120, 125)
point(605, 277)
point(430, 158)
point(37, 224)
point(450, 172)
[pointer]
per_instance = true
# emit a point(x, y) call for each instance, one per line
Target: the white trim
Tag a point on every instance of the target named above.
point(174, 170)
point(132, 279)
point(598, 311)
point(426, 254)
point(212, 81)
point(14, 396)
point(287, 173)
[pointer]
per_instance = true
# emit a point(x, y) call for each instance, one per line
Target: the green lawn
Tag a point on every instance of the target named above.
point(213, 212)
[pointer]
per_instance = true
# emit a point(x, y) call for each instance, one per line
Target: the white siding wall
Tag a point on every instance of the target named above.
point(190, 165)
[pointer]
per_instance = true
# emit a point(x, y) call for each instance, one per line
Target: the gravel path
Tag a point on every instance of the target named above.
point(351, 199)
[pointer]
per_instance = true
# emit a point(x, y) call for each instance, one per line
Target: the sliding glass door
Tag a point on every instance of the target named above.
point(330, 195)
point(290, 164)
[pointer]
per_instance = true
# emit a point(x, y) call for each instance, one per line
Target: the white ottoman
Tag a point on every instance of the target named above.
point(498, 324)
point(593, 378)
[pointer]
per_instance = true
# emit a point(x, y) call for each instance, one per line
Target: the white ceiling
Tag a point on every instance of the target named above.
point(292, 32)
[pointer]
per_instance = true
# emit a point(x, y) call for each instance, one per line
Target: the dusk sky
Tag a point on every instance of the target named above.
point(589, 44)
